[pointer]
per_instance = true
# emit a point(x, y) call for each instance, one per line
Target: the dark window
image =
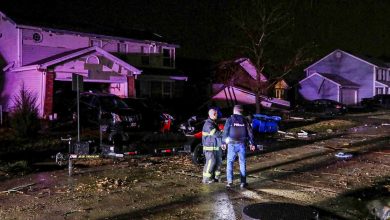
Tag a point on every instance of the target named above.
point(167, 90)
point(145, 60)
point(167, 61)
point(122, 48)
point(156, 88)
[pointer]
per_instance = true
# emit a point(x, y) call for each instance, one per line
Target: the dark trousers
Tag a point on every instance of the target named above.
point(212, 167)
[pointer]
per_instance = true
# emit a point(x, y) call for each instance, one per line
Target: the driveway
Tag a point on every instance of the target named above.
point(299, 171)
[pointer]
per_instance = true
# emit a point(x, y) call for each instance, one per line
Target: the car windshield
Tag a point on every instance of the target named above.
point(112, 102)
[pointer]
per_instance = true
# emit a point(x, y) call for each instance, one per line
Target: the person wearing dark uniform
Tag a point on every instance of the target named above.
point(237, 132)
point(211, 141)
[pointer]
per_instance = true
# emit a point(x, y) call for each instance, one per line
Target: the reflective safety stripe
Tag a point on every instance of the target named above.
point(217, 173)
point(208, 166)
point(211, 133)
point(210, 148)
point(207, 174)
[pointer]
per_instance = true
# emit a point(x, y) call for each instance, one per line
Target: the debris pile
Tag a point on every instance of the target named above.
point(110, 183)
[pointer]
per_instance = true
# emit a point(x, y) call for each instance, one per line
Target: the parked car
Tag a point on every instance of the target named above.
point(106, 109)
point(154, 116)
point(380, 100)
point(324, 107)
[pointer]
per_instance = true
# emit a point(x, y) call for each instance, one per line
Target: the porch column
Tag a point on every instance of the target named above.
point(131, 86)
point(49, 95)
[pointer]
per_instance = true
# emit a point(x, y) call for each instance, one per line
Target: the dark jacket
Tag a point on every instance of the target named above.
point(211, 135)
point(238, 130)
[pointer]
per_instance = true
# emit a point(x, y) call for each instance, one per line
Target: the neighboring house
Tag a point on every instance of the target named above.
point(228, 96)
point(44, 59)
point(237, 85)
point(280, 89)
point(344, 77)
point(240, 73)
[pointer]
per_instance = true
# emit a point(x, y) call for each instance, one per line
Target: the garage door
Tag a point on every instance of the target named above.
point(349, 96)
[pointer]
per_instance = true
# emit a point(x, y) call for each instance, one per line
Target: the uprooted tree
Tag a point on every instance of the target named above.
point(265, 27)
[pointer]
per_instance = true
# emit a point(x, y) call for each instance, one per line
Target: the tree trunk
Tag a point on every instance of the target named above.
point(257, 98)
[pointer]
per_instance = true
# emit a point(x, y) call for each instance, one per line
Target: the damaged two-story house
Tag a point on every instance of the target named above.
point(345, 77)
point(236, 83)
point(43, 59)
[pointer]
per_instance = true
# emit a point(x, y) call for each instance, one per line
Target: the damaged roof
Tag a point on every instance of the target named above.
point(339, 80)
point(63, 20)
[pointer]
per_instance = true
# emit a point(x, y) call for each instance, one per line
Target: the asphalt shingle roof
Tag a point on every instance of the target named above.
point(340, 80)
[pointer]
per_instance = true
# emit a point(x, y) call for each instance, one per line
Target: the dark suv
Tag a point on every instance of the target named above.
point(381, 100)
point(324, 107)
point(108, 110)
point(153, 114)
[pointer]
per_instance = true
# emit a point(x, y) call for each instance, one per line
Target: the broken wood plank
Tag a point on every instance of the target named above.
point(17, 189)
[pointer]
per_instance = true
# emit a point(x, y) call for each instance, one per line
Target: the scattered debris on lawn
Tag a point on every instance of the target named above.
point(343, 155)
point(18, 188)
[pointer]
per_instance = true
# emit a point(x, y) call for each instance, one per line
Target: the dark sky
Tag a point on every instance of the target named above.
point(203, 28)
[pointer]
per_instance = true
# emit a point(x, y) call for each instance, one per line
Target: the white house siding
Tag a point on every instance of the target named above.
point(54, 39)
point(349, 67)
point(8, 40)
point(317, 87)
point(32, 81)
point(55, 43)
point(51, 44)
point(33, 53)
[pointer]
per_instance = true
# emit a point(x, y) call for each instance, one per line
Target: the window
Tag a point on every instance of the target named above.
point(155, 89)
point(378, 90)
point(380, 74)
point(95, 42)
point(37, 37)
point(144, 50)
point(92, 60)
point(166, 90)
point(383, 74)
point(161, 89)
point(377, 74)
point(122, 48)
point(153, 48)
point(279, 93)
point(145, 59)
point(167, 57)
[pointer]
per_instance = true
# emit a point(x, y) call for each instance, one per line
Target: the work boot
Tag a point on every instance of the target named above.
point(243, 185)
point(207, 181)
point(229, 185)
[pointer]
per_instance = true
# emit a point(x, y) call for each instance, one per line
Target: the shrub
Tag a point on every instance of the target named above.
point(24, 117)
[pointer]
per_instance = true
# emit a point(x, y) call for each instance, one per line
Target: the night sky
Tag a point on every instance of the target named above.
point(204, 30)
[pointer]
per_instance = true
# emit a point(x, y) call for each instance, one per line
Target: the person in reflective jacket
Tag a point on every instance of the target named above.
point(237, 132)
point(211, 141)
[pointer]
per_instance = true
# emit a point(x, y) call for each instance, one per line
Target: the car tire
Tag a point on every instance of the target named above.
point(118, 143)
point(197, 155)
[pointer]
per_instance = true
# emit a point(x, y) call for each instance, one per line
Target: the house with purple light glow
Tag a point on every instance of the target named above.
point(43, 60)
point(236, 84)
point(345, 77)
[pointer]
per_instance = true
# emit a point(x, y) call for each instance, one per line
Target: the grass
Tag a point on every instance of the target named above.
point(324, 126)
